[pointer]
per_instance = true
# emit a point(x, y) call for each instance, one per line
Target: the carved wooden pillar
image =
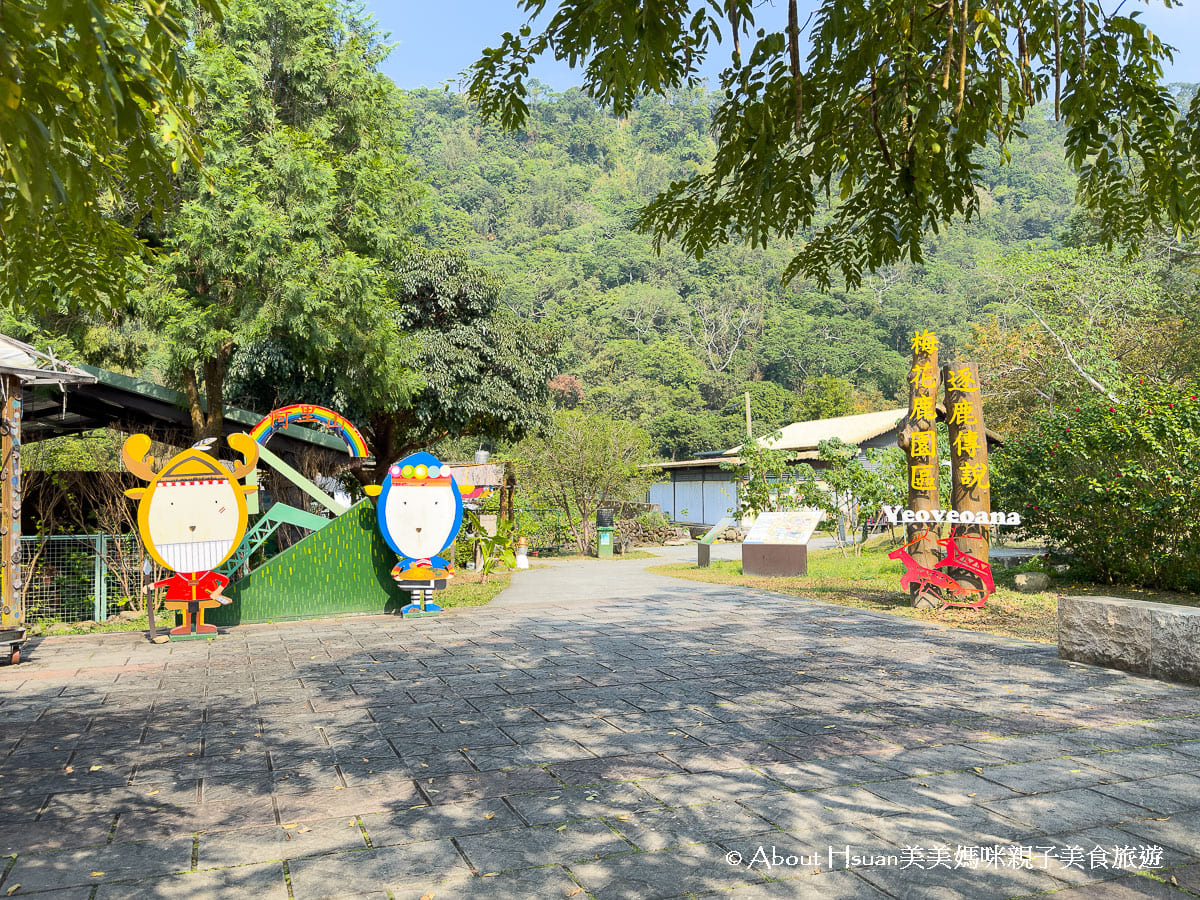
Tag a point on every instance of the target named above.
point(968, 463)
point(918, 439)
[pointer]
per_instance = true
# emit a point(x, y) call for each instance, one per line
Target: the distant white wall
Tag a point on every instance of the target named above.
point(664, 495)
point(696, 496)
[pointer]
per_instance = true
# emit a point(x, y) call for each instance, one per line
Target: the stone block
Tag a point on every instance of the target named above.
point(1105, 631)
point(1175, 647)
point(1032, 582)
point(1157, 639)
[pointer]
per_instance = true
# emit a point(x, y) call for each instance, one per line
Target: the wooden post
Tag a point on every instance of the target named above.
point(970, 490)
point(12, 608)
point(918, 439)
point(509, 495)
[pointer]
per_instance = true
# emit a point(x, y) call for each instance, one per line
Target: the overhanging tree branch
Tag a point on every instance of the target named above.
point(1066, 350)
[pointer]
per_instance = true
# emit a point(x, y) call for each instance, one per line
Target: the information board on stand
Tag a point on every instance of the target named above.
point(791, 527)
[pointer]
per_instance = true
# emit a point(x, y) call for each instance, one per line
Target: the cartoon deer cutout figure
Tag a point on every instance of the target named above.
point(191, 516)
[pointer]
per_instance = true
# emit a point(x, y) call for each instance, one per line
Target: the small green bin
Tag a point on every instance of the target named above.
point(604, 542)
point(606, 525)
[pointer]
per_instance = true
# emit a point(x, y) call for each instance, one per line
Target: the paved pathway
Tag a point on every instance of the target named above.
point(597, 732)
point(687, 552)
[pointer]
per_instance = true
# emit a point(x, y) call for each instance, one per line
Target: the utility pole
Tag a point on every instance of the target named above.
point(749, 432)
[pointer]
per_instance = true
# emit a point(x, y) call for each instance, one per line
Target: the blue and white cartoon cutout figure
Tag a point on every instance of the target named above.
point(420, 512)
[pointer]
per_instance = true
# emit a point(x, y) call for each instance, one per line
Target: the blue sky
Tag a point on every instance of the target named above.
point(437, 40)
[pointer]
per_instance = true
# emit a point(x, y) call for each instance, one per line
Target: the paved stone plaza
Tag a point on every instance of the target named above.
point(600, 732)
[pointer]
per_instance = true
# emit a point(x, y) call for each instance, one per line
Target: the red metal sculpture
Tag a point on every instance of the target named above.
point(931, 578)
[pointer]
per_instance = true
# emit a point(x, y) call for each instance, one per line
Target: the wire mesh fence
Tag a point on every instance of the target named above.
point(545, 529)
point(72, 578)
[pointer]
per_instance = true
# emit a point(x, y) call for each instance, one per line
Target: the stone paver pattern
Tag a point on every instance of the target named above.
point(599, 731)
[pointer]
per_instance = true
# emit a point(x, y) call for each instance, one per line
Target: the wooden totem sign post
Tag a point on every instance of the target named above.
point(918, 439)
point(968, 464)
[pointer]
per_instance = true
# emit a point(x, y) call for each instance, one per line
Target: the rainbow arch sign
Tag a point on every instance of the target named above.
point(303, 413)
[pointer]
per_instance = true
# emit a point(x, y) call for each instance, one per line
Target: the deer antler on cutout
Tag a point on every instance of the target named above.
point(248, 448)
point(133, 454)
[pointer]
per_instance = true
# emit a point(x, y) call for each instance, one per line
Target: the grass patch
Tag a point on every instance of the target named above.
point(872, 581)
point(467, 589)
point(617, 557)
point(44, 627)
point(869, 585)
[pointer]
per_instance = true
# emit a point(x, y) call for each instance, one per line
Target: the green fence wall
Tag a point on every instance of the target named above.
point(345, 568)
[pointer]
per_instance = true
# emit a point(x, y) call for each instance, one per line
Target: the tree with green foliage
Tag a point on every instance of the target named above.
point(299, 225)
point(1082, 321)
point(625, 315)
point(851, 487)
point(1112, 485)
point(484, 374)
point(877, 136)
point(826, 397)
point(803, 344)
point(581, 462)
point(771, 407)
point(682, 433)
point(846, 486)
point(767, 479)
point(94, 117)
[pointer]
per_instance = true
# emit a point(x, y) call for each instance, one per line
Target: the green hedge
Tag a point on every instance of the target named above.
point(1115, 485)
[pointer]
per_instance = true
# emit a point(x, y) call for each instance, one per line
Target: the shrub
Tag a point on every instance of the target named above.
point(1113, 484)
point(650, 520)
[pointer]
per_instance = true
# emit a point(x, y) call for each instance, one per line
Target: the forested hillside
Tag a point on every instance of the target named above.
point(673, 343)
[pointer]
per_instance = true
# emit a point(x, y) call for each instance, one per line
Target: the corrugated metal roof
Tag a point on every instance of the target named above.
point(33, 366)
point(110, 398)
point(803, 437)
point(851, 429)
point(712, 462)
